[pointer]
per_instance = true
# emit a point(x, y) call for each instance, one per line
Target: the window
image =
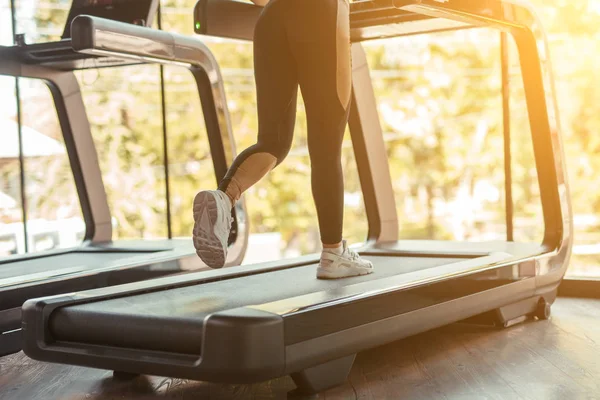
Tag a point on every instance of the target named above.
point(12, 240)
point(125, 113)
point(54, 217)
point(178, 16)
point(5, 23)
point(52, 207)
point(190, 162)
point(41, 21)
point(440, 103)
point(575, 51)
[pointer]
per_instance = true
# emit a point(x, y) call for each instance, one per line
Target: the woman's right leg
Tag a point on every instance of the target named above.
point(277, 91)
point(323, 56)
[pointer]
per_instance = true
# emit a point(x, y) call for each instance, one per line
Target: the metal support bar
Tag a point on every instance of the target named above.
point(165, 136)
point(542, 134)
point(22, 182)
point(165, 150)
point(504, 61)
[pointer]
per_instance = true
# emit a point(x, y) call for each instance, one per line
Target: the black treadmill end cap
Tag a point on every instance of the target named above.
point(34, 315)
point(243, 345)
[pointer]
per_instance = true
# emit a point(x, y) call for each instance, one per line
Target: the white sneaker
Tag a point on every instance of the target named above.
point(347, 264)
point(212, 224)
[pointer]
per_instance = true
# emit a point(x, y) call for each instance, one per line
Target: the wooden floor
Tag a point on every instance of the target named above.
point(555, 359)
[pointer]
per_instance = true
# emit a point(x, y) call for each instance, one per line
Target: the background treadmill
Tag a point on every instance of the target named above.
point(100, 261)
point(255, 323)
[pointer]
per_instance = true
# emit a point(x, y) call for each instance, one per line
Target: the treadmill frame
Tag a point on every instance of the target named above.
point(519, 20)
point(252, 343)
point(55, 63)
point(112, 43)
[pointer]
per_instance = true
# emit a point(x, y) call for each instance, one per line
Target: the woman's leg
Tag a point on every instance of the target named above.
point(319, 32)
point(322, 52)
point(277, 92)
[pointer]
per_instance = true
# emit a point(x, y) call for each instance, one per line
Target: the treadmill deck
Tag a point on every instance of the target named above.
point(172, 320)
point(28, 268)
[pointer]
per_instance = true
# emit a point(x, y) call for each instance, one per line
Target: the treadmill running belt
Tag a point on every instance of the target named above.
point(59, 262)
point(172, 320)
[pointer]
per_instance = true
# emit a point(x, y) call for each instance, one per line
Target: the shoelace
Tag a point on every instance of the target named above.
point(353, 255)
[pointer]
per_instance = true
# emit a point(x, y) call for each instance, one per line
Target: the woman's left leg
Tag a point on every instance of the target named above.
point(277, 93)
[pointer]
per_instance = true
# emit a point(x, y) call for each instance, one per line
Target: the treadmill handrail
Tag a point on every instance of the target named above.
point(234, 19)
point(99, 36)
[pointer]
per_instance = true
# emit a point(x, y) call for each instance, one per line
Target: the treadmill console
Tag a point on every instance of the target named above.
point(138, 12)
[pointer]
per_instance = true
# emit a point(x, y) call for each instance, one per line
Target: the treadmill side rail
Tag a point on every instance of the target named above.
point(302, 355)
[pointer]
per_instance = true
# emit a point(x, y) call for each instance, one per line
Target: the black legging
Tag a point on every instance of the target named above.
point(306, 43)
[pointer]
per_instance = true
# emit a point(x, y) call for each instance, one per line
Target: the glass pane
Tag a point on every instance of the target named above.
point(54, 217)
point(5, 23)
point(12, 239)
point(190, 163)
point(178, 16)
point(572, 29)
point(579, 96)
point(575, 52)
point(356, 227)
point(440, 104)
point(41, 21)
point(124, 108)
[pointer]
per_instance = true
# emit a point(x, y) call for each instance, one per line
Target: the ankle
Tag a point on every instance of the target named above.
point(337, 248)
point(228, 197)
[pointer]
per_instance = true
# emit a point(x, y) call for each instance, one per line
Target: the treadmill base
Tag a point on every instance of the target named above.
point(324, 376)
point(10, 342)
point(515, 313)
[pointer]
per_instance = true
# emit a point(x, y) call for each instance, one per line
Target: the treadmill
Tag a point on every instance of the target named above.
point(257, 322)
point(99, 261)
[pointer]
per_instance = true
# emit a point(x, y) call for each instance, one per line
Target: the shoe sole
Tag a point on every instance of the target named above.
point(207, 244)
point(342, 272)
